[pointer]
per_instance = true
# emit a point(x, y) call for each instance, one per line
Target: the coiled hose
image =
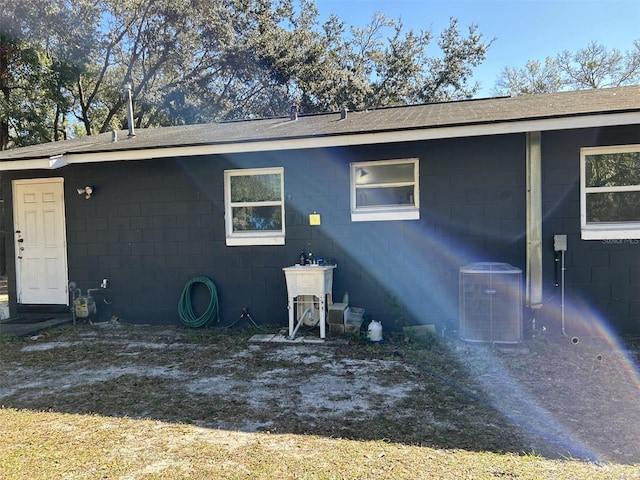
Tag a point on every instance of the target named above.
point(185, 307)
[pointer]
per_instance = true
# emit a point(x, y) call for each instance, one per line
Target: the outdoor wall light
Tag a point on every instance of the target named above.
point(86, 191)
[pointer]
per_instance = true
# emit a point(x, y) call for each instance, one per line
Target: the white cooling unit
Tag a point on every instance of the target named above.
point(491, 303)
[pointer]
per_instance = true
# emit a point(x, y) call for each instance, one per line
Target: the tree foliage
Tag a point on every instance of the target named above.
point(594, 66)
point(382, 65)
point(28, 75)
point(64, 63)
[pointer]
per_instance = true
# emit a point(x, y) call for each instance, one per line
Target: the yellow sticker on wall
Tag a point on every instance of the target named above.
point(314, 219)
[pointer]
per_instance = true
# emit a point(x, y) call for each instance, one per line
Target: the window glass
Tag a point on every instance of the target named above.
point(384, 196)
point(256, 218)
point(384, 174)
point(610, 192)
point(612, 170)
point(254, 206)
point(384, 190)
point(255, 188)
point(613, 207)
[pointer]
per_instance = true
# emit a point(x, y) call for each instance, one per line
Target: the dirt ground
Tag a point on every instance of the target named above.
point(546, 396)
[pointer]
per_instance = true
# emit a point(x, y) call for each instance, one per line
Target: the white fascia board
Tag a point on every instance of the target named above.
point(35, 164)
point(396, 136)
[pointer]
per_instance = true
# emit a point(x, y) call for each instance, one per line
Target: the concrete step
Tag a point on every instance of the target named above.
point(23, 325)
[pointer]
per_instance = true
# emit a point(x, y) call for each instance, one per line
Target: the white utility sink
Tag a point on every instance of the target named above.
point(316, 280)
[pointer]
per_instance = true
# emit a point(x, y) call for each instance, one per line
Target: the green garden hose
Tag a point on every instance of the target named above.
point(185, 307)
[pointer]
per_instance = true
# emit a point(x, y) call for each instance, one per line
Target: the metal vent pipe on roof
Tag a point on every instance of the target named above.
point(132, 133)
point(293, 112)
point(343, 113)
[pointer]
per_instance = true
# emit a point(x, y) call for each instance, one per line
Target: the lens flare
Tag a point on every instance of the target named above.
point(418, 262)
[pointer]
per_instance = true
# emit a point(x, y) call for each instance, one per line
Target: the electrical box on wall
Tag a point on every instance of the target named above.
point(560, 243)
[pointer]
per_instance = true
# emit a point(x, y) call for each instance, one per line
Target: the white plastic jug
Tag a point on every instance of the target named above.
point(375, 331)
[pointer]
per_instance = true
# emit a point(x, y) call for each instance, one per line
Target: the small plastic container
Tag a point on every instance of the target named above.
point(354, 315)
point(353, 319)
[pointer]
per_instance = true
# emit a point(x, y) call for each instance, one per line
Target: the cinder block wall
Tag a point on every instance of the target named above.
point(602, 278)
point(150, 226)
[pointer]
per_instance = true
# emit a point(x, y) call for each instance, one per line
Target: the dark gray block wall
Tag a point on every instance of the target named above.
point(602, 281)
point(152, 225)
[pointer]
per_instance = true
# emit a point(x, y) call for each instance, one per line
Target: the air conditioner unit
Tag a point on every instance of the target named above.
point(491, 303)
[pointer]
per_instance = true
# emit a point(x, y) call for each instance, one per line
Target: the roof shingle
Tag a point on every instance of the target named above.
point(413, 117)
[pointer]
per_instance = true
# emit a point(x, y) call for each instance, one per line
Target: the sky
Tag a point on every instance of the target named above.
point(523, 29)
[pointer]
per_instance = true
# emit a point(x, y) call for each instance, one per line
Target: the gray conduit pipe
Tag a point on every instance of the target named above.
point(562, 269)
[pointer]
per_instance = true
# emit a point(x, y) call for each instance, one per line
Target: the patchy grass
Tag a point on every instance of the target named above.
point(115, 401)
point(45, 445)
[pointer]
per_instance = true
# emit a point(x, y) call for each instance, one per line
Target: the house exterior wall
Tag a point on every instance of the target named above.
point(602, 277)
point(150, 226)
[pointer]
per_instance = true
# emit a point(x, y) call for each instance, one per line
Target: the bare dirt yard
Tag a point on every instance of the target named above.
point(547, 397)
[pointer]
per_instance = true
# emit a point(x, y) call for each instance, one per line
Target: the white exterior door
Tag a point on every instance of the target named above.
point(41, 243)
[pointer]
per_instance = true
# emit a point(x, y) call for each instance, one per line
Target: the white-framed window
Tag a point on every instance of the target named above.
point(610, 192)
point(254, 206)
point(385, 190)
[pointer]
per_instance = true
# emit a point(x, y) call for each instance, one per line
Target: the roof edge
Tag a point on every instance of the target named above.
point(631, 117)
